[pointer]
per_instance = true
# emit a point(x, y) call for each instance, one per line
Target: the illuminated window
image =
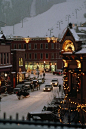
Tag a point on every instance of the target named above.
point(20, 62)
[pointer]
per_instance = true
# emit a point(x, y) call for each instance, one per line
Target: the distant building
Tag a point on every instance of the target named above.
point(35, 53)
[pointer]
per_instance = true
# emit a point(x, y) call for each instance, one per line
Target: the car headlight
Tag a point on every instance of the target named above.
point(48, 88)
point(51, 83)
point(55, 83)
point(44, 89)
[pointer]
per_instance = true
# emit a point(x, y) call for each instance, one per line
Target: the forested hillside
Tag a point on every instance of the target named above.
point(13, 11)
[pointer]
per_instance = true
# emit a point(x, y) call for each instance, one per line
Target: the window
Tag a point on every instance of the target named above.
point(4, 58)
point(7, 58)
point(20, 62)
point(29, 46)
point(41, 56)
point(19, 46)
point(35, 46)
point(14, 46)
point(30, 56)
point(52, 45)
point(46, 55)
point(52, 55)
point(25, 46)
point(25, 56)
point(46, 45)
point(35, 56)
point(41, 46)
point(1, 58)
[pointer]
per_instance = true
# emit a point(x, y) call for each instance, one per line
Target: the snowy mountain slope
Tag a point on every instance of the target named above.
point(41, 25)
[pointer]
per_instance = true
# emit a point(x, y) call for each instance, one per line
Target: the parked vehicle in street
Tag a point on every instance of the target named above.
point(20, 87)
point(48, 87)
point(23, 92)
point(41, 80)
point(54, 82)
point(43, 116)
point(3, 89)
point(58, 72)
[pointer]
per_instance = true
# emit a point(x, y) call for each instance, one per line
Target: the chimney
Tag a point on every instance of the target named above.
point(70, 25)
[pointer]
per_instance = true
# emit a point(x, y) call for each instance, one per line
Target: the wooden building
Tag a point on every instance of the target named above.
point(73, 52)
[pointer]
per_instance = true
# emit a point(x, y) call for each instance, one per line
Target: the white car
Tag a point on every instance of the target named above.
point(54, 82)
point(40, 81)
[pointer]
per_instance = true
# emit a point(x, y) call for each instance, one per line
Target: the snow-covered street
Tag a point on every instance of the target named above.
point(11, 105)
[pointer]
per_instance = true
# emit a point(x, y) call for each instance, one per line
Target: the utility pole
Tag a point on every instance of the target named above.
point(76, 12)
point(68, 16)
point(59, 22)
point(50, 31)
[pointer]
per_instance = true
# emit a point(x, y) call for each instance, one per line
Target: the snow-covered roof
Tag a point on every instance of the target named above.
point(82, 51)
point(67, 53)
point(1, 36)
point(82, 28)
point(7, 66)
point(75, 35)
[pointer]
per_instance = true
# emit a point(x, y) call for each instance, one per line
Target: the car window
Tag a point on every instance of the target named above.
point(47, 85)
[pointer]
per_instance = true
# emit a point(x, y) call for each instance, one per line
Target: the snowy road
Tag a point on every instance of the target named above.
point(11, 105)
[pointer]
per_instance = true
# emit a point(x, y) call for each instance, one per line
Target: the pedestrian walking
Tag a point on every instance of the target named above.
point(44, 74)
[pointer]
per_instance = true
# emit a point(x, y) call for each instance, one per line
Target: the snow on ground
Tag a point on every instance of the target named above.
point(41, 25)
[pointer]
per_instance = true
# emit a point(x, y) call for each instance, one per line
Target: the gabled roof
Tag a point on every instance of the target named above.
point(72, 33)
point(2, 36)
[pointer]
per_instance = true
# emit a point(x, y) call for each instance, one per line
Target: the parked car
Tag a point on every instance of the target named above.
point(48, 87)
point(20, 87)
point(40, 81)
point(54, 82)
point(3, 89)
point(58, 72)
point(43, 116)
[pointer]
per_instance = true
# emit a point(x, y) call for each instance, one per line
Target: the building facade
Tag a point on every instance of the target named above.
point(5, 61)
point(73, 53)
point(35, 53)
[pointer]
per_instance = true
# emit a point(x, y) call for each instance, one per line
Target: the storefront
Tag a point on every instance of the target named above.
point(47, 66)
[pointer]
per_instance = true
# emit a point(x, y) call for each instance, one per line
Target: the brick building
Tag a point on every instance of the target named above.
point(35, 53)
